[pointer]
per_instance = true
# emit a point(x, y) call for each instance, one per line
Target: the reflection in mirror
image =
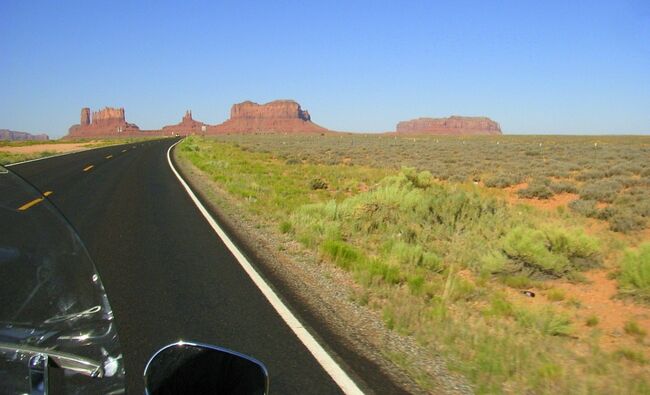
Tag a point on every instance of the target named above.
point(189, 368)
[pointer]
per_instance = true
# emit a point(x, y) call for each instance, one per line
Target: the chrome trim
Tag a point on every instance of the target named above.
point(81, 365)
point(39, 365)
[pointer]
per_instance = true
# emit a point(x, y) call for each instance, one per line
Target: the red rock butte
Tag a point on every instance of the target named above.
point(454, 125)
point(187, 126)
point(279, 116)
point(109, 122)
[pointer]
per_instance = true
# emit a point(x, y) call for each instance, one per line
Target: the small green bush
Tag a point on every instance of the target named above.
point(592, 321)
point(555, 295)
point(634, 276)
point(584, 207)
point(602, 190)
point(499, 306)
point(503, 180)
point(286, 227)
point(550, 251)
point(546, 320)
point(631, 355)
point(624, 221)
point(536, 189)
point(590, 175)
point(566, 187)
point(518, 281)
point(633, 328)
point(317, 183)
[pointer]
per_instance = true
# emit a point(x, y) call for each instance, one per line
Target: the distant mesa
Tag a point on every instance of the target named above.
point(108, 122)
point(279, 116)
point(11, 135)
point(454, 125)
point(187, 126)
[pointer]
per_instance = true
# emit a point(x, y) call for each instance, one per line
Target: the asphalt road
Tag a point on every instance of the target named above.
point(167, 274)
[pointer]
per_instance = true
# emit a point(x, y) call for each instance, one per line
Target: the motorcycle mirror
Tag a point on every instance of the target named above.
point(190, 368)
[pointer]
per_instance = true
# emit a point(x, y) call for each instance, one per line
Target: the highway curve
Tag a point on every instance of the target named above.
point(167, 274)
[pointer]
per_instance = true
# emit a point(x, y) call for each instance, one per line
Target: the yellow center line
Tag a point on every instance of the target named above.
point(89, 167)
point(47, 193)
point(109, 156)
point(30, 204)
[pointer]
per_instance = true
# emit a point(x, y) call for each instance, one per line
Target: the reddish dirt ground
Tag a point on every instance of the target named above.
point(557, 200)
point(598, 299)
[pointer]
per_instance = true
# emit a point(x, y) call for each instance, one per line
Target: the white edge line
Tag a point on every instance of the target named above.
point(324, 359)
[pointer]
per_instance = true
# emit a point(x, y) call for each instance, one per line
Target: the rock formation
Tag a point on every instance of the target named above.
point(454, 125)
point(187, 126)
point(6, 134)
point(278, 116)
point(109, 122)
point(85, 116)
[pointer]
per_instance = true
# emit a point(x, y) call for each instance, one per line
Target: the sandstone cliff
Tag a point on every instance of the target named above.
point(187, 126)
point(454, 125)
point(280, 116)
point(109, 122)
point(6, 134)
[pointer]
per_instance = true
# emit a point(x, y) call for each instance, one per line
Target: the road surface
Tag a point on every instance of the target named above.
point(167, 274)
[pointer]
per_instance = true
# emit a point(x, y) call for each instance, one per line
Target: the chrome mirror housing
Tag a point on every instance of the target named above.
point(191, 368)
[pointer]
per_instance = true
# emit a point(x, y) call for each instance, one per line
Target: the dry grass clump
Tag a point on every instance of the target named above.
point(634, 275)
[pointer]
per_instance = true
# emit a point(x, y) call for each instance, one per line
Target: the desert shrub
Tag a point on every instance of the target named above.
point(286, 227)
point(536, 189)
point(631, 355)
point(617, 170)
point(499, 306)
point(503, 180)
point(555, 295)
point(545, 320)
point(622, 220)
point(606, 213)
point(414, 255)
point(191, 147)
point(602, 190)
point(634, 275)
point(552, 252)
point(625, 182)
point(584, 207)
point(564, 186)
point(317, 183)
point(519, 281)
point(592, 320)
point(422, 180)
point(633, 328)
point(493, 262)
point(590, 175)
point(458, 177)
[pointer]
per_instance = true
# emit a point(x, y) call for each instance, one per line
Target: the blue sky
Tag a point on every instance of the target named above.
point(533, 66)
